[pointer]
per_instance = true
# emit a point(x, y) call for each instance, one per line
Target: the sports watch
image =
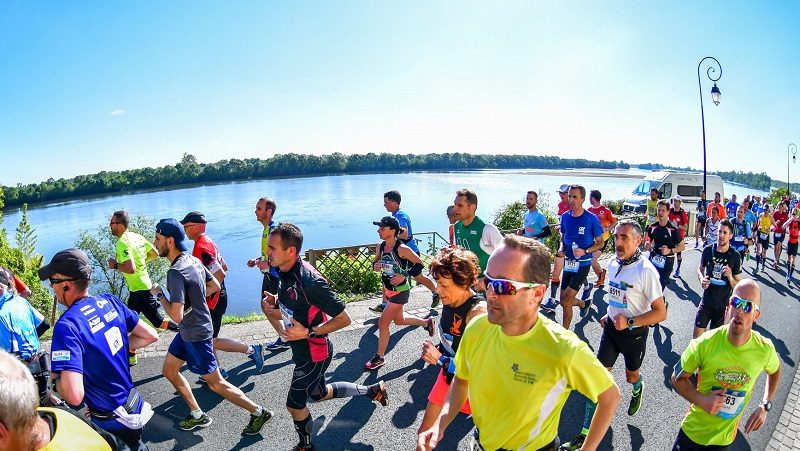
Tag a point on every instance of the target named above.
point(631, 323)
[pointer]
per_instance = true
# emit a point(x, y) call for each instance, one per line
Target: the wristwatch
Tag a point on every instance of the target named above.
point(311, 332)
point(631, 323)
point(767, 405)
point(160, 295)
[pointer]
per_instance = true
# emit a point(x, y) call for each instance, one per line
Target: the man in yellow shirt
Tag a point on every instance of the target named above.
point(519, 369)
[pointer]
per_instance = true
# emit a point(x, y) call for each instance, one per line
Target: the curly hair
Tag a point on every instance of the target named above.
point(459, 265)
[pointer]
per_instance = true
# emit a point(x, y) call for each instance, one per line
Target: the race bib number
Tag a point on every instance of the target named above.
point(114, 339)
point(763, 236)
point(571, 266)
point(716, 275)
point(739, 238)
point(778, 236)
point(658, 261)
point(734, 401)
point(387, 268)
point(286, 315)
point(616, 294)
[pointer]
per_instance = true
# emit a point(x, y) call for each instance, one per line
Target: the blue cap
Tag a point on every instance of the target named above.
point(171, 228)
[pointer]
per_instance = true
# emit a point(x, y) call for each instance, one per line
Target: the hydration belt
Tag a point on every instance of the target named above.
point(129, 406)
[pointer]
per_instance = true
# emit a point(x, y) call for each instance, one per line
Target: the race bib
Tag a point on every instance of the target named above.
point(716, 275)
point(738, 239)
point(658, 261)
point(571, 265)
point(778, 236)
point(286, 315)
point(616, 294)
point(763, 236)
point(387, 268)
point(114, 339)
point(734, 401)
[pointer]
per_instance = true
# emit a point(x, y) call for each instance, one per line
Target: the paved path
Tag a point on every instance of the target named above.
point(357, 424)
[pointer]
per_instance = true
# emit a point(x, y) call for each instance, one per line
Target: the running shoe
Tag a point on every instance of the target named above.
point(435, 300)
point(696, 244)
point(277, 345)
point(549, 306)
point(574, 444)
point(222, 372)
point(132, 360)
point(430, 327)
point(257, 422)
point(587, 291)
point(677, 274)
point(585, 310)
point(377, 309)
point(377, 392)
point(601, 280)
point(375, 362)
point(636, 401)
point(258, 357)
point(191, 422)
point(301, 447)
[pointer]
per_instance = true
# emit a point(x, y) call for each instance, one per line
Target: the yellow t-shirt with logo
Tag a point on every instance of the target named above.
point(765, 224)
point(723, 365)
point(518, 385)
point(133, 246)
point(72, 433)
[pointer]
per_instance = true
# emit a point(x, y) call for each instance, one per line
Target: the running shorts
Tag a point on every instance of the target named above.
point(439, 393)
point(308, 381)
point(705, 315)
point(631, 343)
point(198, 355)
point(791, 249)
point(575, 280)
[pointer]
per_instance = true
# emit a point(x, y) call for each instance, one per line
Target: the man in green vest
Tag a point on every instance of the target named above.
point(472, 233)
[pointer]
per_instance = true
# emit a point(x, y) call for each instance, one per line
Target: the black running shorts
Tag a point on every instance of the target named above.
point(575, 280)
point(705, 315)
point(308, 381)
point(631, 343)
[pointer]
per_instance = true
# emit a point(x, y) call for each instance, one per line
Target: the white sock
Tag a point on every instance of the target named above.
point(258, 412)
point(196, 414)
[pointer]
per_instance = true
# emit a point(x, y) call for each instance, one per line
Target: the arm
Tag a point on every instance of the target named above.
point(70, 386)
point(173, 309)
point(212, 286)
point(657, 314)
point(598, 244)
point(607, 404)
point(298, 332)
point(545, 232)
point(127, 267)
point(42, 328)
point(758, 417)
point(456, 396)
point(142, 335)
point(711, 402)
point(151, 255)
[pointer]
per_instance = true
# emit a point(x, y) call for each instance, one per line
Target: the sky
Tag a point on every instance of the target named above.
point(88, 87)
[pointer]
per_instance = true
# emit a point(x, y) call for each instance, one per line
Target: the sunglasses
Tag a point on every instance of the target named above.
point(744, 304)
point(54, 281)
point(507, 287)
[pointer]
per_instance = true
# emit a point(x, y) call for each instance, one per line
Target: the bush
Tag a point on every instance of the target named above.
point(349, 274)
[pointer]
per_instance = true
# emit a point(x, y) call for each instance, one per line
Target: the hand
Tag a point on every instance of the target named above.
point(430, 353)
point(397, 279)
point(269, 299)
point(578, 253)
point(603, 321)
point(726, 271)
point(262, 265)
point(427, 440)
point(664, 250)
point(756, 420)
point(705, 282)
point(294, 333)
point(376, 266)
point(620, 322)
point(252, 262)
point(712, 402)
point(112, 263)
point(155, 289)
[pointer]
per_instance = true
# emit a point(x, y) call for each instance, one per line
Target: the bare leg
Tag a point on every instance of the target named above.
point(171, 370)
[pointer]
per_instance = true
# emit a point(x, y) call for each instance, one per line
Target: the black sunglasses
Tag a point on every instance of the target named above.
point(54, 281)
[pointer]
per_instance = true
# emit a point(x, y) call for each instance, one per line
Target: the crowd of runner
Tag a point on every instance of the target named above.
point(502, 359)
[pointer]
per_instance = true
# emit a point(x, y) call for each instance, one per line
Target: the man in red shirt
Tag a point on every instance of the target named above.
point(680, 220)
point(194, 223)
point(780, 217)
point(792, 228)
point(607, 222)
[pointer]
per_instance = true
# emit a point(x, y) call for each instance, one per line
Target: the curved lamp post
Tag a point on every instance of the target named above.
point(793, 150)
point(715, 93)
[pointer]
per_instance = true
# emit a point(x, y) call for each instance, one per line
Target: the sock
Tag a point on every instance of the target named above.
point(637, 386)
point(588, 415)
point(131, 353)
point(250, 350)
point(554, 287)
point(258, 412)
point(348, 389)
point(196, 414)
point(303, 429)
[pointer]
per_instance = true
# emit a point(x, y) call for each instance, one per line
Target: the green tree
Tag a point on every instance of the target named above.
point(101, 244)
point(26, 235)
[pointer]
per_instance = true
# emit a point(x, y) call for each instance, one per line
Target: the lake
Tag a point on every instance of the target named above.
point(332, 211)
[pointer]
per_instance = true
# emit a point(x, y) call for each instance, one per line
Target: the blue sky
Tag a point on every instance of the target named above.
point(86, 87)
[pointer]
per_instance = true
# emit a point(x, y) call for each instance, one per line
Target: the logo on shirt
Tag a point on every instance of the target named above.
point(87, 310)
point(101, 303)
point(522, 376)
point(732, 377)
point(581, 230)
point(110, 315)
point(95, 324)
point(473, 232)
point(292, 293)
point(59, 356)
point(457, 321)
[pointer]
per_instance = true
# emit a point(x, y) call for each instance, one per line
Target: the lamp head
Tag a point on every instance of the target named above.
point(715, 93)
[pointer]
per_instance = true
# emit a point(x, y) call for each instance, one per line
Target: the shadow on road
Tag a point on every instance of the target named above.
point(662, 338)
point(780, 345)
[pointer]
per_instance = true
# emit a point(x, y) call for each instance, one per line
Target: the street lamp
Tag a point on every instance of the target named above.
point(715, 93)
point(793, 149)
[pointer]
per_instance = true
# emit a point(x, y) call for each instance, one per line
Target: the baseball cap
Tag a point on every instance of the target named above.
point(195, 217)
point(170, 228)
point(563, 188)
point(72, 263)
point(678, 198)
point(388, 221)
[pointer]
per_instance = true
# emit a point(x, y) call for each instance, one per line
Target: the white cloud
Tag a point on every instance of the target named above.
point(118, 112)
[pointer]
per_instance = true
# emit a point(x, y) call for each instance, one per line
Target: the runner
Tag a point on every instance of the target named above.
point(396, 262)
point(132, 252)
point(552, 302)
point(791, 228)
point(663, 242)
point(780, 217)
point(451, 229)
point(265, 210)
point(194, 224)
point(750, 218)
point(635, 301)
point(700, 226)
point(762, 244)
point(309, 310)
point(189, 283)
point(652, 206)
point(472, 233)
point(517, 367)
point(718, 205)
point(679, 219)
point(581, 235)
point(728, 361)
point(21, 326)
point(731, 207)
point(391, 201)
point(88, 350)
point(720, 269)
point(712, 228)
point(607, 222)
point(741, 233)
point(455, 272)
point(534, 222)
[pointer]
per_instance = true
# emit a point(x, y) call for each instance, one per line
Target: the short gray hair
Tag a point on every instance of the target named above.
point(631, 223)
point(18, 398)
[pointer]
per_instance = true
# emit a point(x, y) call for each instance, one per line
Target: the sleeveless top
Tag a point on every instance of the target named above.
point(392, 263)
point(452, 325)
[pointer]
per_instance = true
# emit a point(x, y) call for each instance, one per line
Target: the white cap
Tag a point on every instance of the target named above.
point(678, 198)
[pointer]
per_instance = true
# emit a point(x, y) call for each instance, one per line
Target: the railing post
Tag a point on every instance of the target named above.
point(311, 257)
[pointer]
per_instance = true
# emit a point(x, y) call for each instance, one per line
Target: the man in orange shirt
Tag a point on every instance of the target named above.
point(607, 222)
point(718, 205)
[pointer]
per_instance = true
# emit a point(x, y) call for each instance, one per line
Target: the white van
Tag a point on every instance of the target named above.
point(686, 184)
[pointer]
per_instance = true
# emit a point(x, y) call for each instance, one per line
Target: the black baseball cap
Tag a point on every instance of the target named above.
point(195, 217)
point(172, 229)
point(72, 263)
point(388, 221)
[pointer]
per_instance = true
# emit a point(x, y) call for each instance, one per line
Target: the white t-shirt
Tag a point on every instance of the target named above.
point(633, 289)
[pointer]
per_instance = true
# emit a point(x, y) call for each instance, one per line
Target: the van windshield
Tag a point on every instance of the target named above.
point(644, 188)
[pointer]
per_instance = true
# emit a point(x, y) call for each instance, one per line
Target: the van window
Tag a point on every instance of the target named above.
point(644, 188)
point(689, 190)
point(666, 191)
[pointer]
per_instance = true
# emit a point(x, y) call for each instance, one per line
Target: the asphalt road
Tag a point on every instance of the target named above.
point(359, 424)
